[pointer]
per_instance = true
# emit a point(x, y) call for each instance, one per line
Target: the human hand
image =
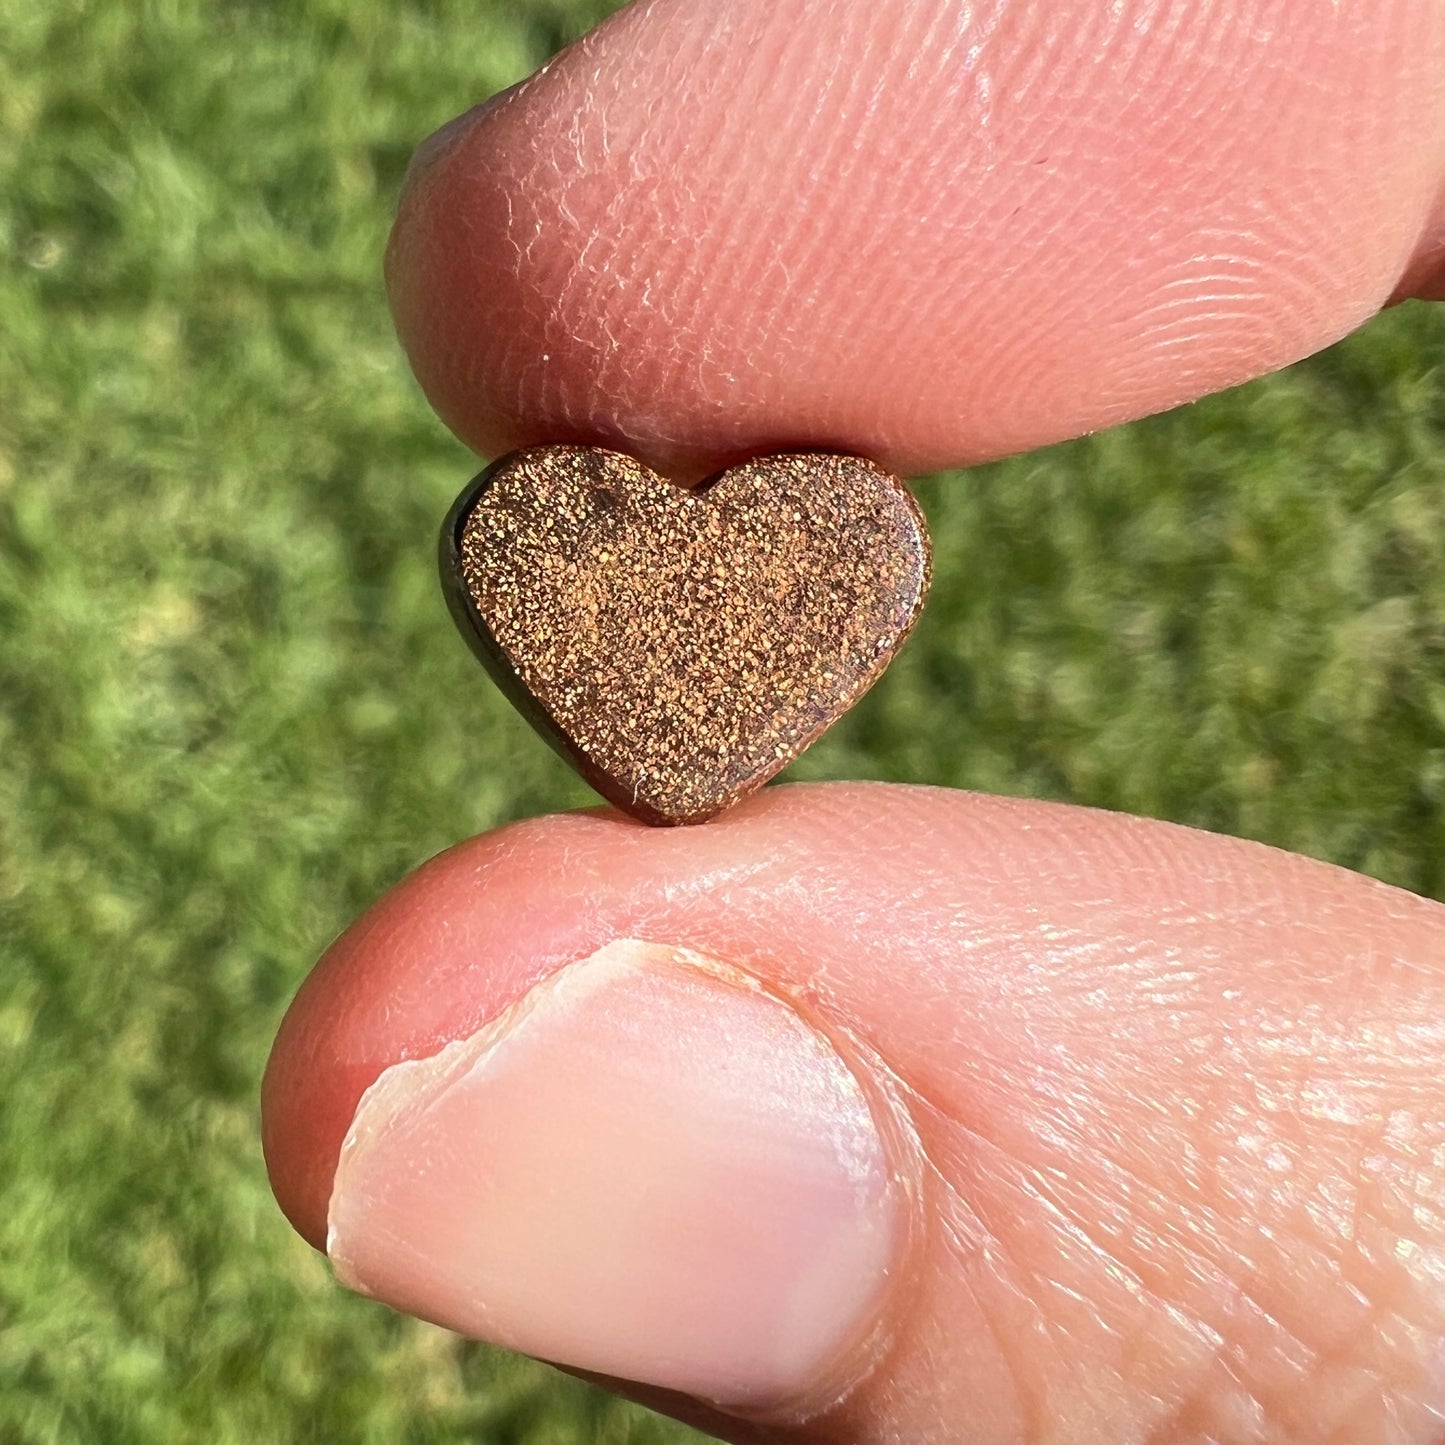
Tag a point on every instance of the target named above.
point(987, 1121)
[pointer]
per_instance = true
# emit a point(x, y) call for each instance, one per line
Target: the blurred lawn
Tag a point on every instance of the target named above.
point(232, 709)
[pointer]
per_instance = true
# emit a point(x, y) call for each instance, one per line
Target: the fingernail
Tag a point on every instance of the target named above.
point(440, 141)
point(649, 1168)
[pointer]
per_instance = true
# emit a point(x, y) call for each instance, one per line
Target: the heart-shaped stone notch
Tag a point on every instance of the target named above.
point(680, 647)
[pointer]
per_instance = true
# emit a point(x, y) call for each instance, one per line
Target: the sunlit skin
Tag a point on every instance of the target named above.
point(1173, 1101)
point(930, 233)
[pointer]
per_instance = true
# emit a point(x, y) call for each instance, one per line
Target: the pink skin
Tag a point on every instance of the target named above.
point(930, 233)
point(1178, 1098)
point(1165, 1109)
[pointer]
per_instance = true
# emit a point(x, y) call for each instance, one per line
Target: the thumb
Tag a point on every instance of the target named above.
point(926, 231)
point(876, 1114)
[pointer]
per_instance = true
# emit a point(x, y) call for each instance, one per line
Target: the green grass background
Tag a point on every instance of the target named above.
point(233, 711)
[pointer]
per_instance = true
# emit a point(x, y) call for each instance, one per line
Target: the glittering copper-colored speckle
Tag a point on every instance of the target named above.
point(682, 647)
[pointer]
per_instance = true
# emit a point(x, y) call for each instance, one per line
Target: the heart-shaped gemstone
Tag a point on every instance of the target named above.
point(680, 647)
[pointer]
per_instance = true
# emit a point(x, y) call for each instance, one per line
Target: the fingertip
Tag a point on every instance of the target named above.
point(463, 937)
point(929, 235)
point(422, 966)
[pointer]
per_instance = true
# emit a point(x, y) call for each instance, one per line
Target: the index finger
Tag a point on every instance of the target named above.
point(931, 233)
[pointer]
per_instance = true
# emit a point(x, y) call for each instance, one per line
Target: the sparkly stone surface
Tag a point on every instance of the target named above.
point(681, 647)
